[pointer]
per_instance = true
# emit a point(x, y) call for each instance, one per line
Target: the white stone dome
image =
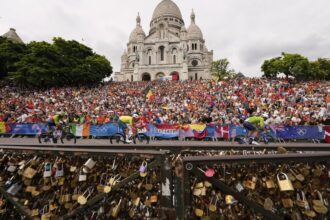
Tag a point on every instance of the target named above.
point(194, 32)
point(137, 31)
point(13, 36)
point(167, 8)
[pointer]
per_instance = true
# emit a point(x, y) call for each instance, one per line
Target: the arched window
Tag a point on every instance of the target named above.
point(131, 78)
point(161, 53)
point(174, 59)
point(149, 60)
point(196, 76)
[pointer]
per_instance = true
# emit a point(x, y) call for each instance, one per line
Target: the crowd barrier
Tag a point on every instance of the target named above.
point(167, 131)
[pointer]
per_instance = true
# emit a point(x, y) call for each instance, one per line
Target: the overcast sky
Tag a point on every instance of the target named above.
point(244, 31)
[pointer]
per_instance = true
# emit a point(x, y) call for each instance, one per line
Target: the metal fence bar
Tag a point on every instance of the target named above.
point(179, 146)
point(258, 158)
point(19, 208)
point(245, 201)
point(82, 150)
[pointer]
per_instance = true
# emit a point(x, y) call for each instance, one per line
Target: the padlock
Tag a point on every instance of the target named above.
point(29, 173)
point(268, 204)
point(208, 173)
point(82, 176)
point(143, 169)
point(82, 199)
point(90, 163)
point(213, 204)
point(270, 184)
point(301, 200)
point(115, 210)
point(229, 199)
point(47, 170)
point(153, 199)
point(284, 184)
point(318, 204)
point(287, 202)
point(14, 188)
point(11, 168)
point(59, 171)
point(239, 187)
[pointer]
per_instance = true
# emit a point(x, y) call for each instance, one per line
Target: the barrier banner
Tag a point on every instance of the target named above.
point(301, 132)
point(163, 131)
point(222, 131)
point(327, 133)
point(27, 129)
point(104, 130)
point(167, 131)
point(3, 128)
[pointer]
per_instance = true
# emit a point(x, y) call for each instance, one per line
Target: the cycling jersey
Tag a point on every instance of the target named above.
point(126, 119)
point(257, 121)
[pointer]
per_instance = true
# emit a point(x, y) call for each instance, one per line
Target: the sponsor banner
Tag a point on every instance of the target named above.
point(301, 132)
point(163, 131)
point(104, 130)
point(27, 129)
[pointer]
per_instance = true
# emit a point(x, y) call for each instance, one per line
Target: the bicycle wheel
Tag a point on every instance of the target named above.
point(241, 139)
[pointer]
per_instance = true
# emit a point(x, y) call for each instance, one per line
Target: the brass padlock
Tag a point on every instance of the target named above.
point(284, 184)
point(82, 199)
point(318, 204)
point(115, 210)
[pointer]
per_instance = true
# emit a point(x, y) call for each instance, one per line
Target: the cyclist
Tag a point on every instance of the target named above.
point(254, 124)
point(126, 124)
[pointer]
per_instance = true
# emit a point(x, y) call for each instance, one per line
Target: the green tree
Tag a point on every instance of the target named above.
point(272, 67)
point(320, 69)
point(10, 53)
point(220, 69)
point(295, 65)
point(61, 63)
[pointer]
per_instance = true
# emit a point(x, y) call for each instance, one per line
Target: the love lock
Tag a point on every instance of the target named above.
point(189, 166)
point(209, 172)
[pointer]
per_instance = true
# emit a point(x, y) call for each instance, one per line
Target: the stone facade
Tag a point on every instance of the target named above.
point(168, 50)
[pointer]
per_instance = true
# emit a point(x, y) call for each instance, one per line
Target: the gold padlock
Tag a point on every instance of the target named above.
point(284, 184)
point(115, 211)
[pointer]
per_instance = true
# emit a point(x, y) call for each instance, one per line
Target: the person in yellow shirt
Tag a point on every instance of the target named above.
point(126, 124)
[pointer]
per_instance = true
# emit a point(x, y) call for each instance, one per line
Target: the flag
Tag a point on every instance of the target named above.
point(148, 92)
point(198, 127)
point(327, 133)
point(3, 127)
point(80, 130)
point(150, 96)
point(222, 131)
point(200, 135)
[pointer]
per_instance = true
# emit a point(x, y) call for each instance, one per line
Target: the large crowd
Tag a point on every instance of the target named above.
point(183, 102)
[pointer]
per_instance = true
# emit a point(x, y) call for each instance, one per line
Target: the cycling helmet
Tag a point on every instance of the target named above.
point(265, 115)
point(135, 115)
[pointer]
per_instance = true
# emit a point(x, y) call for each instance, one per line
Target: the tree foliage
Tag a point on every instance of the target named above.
point(10, 53)
point(297, 66)
point(60, 63)
point(220, 69)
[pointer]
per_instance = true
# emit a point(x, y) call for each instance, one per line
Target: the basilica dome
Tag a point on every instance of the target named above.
point(133, 37)
point(193, 31)
point(167, 8)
